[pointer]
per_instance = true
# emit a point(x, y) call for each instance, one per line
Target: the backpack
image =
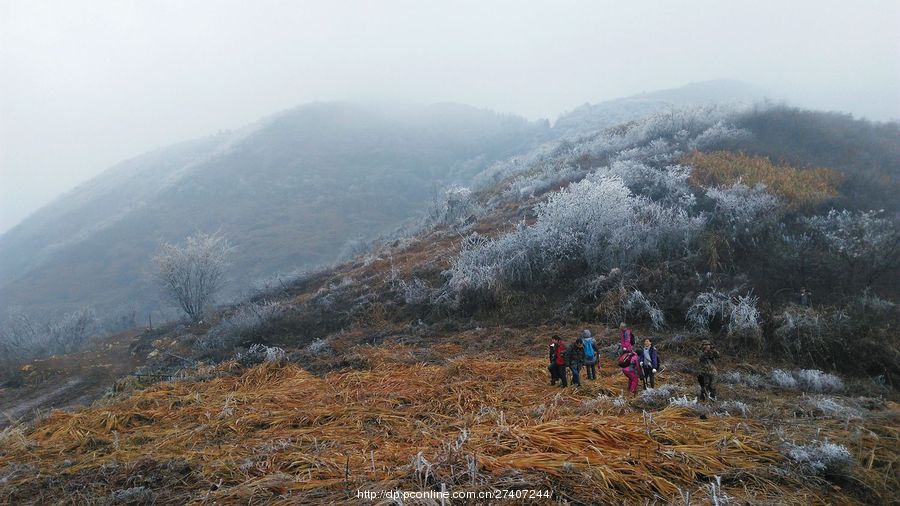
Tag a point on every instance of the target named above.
point(588, 348)
point(625, 359)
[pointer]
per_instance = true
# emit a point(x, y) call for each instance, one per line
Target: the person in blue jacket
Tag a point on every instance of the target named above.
point(590, 354)
point(649, 361)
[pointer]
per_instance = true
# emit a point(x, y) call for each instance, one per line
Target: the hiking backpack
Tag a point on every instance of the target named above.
point(588, 348)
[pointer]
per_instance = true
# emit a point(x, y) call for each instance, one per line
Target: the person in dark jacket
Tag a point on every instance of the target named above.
point(803, 298)
point(706, 371)
point(649, 360)
point(575, 360)
point(558, 362)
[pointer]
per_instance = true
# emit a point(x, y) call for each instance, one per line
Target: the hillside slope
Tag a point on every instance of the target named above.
point(289, 192)
point(421, 366)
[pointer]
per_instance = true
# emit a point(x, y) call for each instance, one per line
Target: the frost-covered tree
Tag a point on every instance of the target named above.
point(190, 275)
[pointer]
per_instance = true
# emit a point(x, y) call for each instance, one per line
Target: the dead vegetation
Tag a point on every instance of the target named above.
point(281, 435)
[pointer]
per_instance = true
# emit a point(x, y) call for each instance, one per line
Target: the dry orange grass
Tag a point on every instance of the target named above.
point(800, 188)
point(281, 435)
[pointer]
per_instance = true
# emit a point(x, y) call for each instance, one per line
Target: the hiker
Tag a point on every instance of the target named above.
point(558, 362)
point(803, 298)
point(575, 360)
point(626, 341)
point(629, 363)
point(649, 360)
point(707, 370)
point(590, 354)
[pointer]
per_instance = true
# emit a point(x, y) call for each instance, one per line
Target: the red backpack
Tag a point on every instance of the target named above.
point(625, 359)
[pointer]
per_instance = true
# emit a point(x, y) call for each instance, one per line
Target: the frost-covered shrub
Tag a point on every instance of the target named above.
point(416, 291)
point(832, 407)
point(597, 222)
point(856, 235)
point(638, 303)
point(668, 185)
point(742, 211)
point(623, 303)
point(318, 347)
point(821, 457)
point(453, 207)
point(737, 312)
point(783, 379)
point(803, 331)
point(859, 246)
point(720, 135)
point(744, 318)
point(807, 380)
point(739, 378)
point(657, 140)
point(247, 320)
point(706, 307)
point(260, 353)
point(813, 380)
point(24, 337)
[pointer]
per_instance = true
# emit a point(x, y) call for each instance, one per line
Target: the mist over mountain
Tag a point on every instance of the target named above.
point(289, 192)
point(592, 117)
point(298, 189)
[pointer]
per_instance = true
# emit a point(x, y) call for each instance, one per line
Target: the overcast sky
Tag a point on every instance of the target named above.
point(84, 84)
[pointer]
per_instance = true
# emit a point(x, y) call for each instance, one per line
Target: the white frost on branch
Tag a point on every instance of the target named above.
point(190, 275)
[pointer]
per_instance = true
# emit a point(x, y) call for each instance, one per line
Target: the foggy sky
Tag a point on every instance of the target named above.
point(86, 84)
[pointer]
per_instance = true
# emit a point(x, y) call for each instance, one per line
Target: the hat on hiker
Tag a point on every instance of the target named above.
point(622, 325)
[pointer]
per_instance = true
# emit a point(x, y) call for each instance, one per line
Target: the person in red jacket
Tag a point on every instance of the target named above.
point(558, 362)
point(630, 365)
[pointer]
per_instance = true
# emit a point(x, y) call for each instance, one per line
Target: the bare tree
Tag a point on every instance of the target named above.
point(190, 275)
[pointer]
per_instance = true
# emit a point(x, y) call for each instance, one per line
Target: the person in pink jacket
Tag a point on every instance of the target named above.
point(630, 365)
point(626, 341)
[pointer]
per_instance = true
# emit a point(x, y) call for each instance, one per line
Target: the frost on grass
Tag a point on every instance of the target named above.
point(813, 380)
point(741, 378)
point(783, 379)
point(832, 407)
point(732, 407)
point(247, 319)
point(684, 402)
point(821, 457)
point(807, 380)
point(656, 397)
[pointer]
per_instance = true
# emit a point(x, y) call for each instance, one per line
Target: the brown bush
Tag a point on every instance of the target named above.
point(800, 188)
